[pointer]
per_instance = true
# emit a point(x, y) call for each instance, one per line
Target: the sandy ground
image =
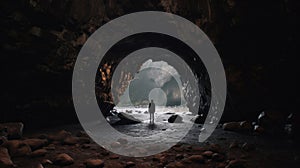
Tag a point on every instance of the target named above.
point(253, 151)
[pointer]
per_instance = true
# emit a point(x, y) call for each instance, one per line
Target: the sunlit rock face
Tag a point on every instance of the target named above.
point(40, 40)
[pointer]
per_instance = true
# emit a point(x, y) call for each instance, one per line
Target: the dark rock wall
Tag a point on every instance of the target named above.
point(40, 39)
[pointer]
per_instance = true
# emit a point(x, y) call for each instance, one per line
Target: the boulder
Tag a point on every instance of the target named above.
point(196, 158)
point(60, 136)
point(36, 143)
point(208, 154)
point(5, 160)
point(126, 119)
point(71, 140)
point(198, 119)
point(63, 160)
point(231, 126)
point(175, 119)
point(236, 164)
point(243, 126)
point(12, 130)
point(39, 153)
point(94, 163)
point(17, 148)
point(3, 139)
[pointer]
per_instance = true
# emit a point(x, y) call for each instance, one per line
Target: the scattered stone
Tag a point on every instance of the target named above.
point(3, 139)
point(196, 158)
point(218, 157)
point(258, 129)
point(39, 166)
point(198, 120)
point(85, 146)
point(129, 164)
point(17, 148)
point(39, 153)
point(175, 119)
point(179, 157)
point(236, 164)
point(246, 126)
point(231, 126)
point(94, 163)
point(123, 141)
point(71, 140)
point(114, 164)
point(207, 154)
point(60, 136)
point(51, 147)
point(214, 148)
point(175, 165)
point(248, 147)
point(13, 130)
point(221, 165)
point(114, 157)
point(35, 143)
point(63, 160)
point(46, 162)
point(115, 144)
point(5, 160)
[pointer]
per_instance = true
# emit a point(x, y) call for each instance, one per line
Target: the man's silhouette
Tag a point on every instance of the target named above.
point(151, 109)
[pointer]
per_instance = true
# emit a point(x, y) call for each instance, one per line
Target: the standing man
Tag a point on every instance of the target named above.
point(151, 109)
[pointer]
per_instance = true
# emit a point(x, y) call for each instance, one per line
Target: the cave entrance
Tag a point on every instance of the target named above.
point(186, 61)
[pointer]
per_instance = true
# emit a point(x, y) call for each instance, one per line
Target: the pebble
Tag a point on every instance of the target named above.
point(231, 126)
point(236, 164)
point(179, 157)
point(35, 143)
point(39, 166)
point(5, 160)
point(217, 157)
point(46, 162)
point(175, 165)
point(196, 158)
point(70, 140)
point(207, 154)
point(115, 144)
point(114, 157)
point(39, 153)
point(14, 130)
point(122, 141)
point(63, 160)
point(94, 163)
point(258, 129)
point(129, 164)
point(17, 148)
point(60, 136)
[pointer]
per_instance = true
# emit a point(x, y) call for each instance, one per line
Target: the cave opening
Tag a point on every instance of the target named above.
point(155, 80)
point(117, 70)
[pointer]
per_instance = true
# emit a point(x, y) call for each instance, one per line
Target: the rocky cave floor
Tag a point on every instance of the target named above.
point(69, 147)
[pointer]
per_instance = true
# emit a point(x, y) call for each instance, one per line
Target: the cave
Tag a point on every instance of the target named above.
point(40, 42)
point(105, 90)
